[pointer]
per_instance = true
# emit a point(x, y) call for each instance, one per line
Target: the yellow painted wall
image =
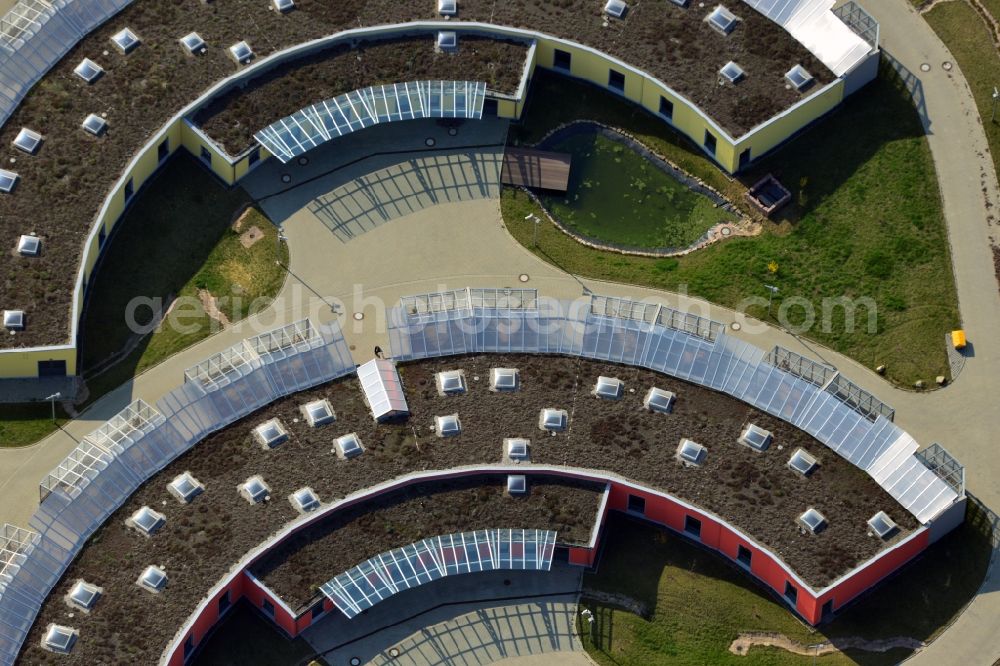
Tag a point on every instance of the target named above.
point(194, 143)
point(15, 363)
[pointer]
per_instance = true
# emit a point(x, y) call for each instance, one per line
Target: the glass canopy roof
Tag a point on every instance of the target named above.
point(314, 125)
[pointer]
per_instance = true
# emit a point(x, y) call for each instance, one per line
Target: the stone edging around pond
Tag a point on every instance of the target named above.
point(744, 227)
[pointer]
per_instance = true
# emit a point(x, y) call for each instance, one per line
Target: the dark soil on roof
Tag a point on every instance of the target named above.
point(232, 119)
point(200, 542)
point(63, 186)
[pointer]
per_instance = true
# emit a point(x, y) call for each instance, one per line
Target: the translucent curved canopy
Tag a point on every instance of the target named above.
point(314, 125)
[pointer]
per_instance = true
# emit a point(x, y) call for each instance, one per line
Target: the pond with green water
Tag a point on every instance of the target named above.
point(619, 196)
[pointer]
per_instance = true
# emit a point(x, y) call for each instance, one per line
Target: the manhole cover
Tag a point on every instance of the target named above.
point(452, 131)
point(726, 231)
point(925, 67)
point(285, 178)
point(358, 316)
point(736, 326)
point(393, 652)
point(946, 65)
point(355, 661)
point(352, 347)
point(430, 141)
point(303, 161)
point(523, 277)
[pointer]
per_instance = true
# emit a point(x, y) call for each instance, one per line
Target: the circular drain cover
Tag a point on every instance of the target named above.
point(355, 661)
point(523, 277)
point(453, 131)
point(303, 161)
point(925, 67)
point(393, 652)
point(726, 231)
point(286, 178)
point(736, 326)
point(358, 316)
point(946, 65)
point(430, 141)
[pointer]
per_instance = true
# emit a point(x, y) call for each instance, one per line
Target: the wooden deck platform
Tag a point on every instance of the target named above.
point(536, 168)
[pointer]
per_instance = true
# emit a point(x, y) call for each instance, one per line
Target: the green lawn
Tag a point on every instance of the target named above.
point(21, 425)
point(866, 222)
point(699, 603)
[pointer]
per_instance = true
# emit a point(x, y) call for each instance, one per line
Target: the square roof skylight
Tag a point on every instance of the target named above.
point(318, 412)
point(283, 5)
point(504, 379)
point(450, 382)
point(29, 246)
point(270, 433)
point(193, 43)
point(609, 388)
point(658, 400)
point(812, 520)
point(13, 320)
point(304, 500)
point(517, 448)
point(88, 70)
point(241, 52)
point(83, 595)
point(254, 490)
point(152, 578)
point(722, 20)
point(447, 7)
point(616, 8)
point(447, 39)
point(94, 124)
point(447, 426)
point(798, 77)
point(802, 462)
point(125, 40)
point(755, 437)
point(185, 487)
point(881, 525)
point(8, 179)
point(732, 72)
point(517, 484)
point(146, 520)
point(60, 639)
point(28, 141)
point(553, 420)
point(349, 446)
point(691, 453)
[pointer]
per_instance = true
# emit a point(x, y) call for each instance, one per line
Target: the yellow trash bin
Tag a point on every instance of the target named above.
point(958, 339)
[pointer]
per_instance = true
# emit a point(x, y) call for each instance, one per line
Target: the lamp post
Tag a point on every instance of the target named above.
point(52, 399)
point(771, 291)
point(996, 97)
point(537, 220)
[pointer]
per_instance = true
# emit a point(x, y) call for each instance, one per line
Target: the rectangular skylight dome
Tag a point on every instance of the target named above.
point(755, 437)
point(83, 595)
point(88, 70)
point(658, 400)
point(447, 426)
point(8, 179)
point(451, 382)
point(447, 40)
point(146, 521)
point(193, 43)
point(349, 446)
point(59, 639)
point(691, 453)
point(447, 7)
point(881, 525)
point(125, 40)
point(609, 388)
point(270, 433)
point(318, 412)
point(517, 449)
point(254, 490)
point(94, 124)
point(241, 52)
point(29, 246)
point(722, 20)
point(185, 487)
point(283, 6)
point(732, 72)
point(553, 420)
point(616, 8)
point(517, 484)
point(798, 77)
point(504, 379)
point(13, 320)
point(802, 462)
point(812, 520)
point(152, 578)
point(304, 500)
point(28, 141)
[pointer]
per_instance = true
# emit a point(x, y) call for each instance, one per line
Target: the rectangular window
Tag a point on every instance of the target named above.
point(163, 150)
point(637, 504)
point(317, 611)
point(129, 189)
point(562, 60)
point(710, 142)
point(188, 645)
point(666, 108)
point(490, 108)
point(206, 155)
point(224, 603)
point(790, 592)
point(102, 235)
point(745, 158)
point(254, 156)
point(52, 368)
point(616, 80)
point(268, 607)
point(692, 526)
point(743, 555)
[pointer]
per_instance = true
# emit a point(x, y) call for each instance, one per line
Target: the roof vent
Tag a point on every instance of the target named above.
point(691, 453)
point(756, 438)
point(447, 426)
point(125, 40)
point(241, 53)
point(802, 462)
point(349, 446)
point(28, 141)
point(447, 40)
point(517, 449)
point(722, 20)
point(799, 77)
point(881, 525)
point(59, 639)
point(450, 382)
point(812, 520)
point(505, 379)
point(193, 43)
point(609, 388)
point(517, 484)
point(304, 500)
point(658, 400)
point(94, 124)
point(185, 487)
point(283, 6)
point(13, 320)
point(447, 7)
point(88, 70)
point(83, 596)
point(29, 245)
point(732, 72)
point(553, 420)
point(146, 521)
point(8, 179)
point(152, 578)
point(254, 490)
point(318, 412)
point(616, 8)
point(270, 434)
